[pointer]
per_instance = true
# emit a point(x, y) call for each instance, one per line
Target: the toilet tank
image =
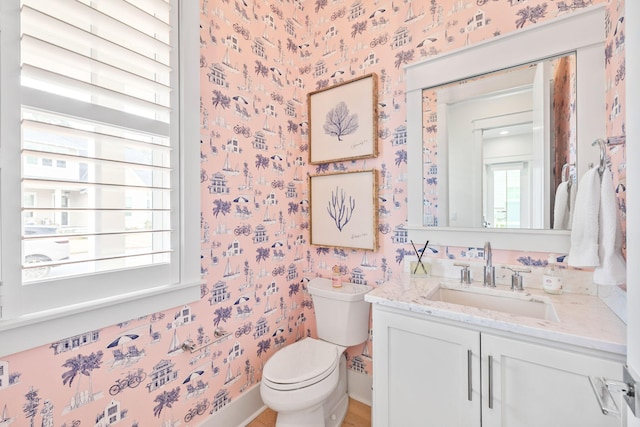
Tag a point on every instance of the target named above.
point(342, 314)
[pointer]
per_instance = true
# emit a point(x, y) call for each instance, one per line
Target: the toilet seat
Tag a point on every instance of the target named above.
point(301, 364)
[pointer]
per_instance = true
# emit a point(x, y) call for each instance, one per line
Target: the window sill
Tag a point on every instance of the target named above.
point(43, 328)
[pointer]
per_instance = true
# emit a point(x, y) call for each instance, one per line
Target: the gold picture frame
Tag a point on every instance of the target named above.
point(344, 209)
point(343, 121)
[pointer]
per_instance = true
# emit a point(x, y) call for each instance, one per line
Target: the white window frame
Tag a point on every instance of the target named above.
point(523, 168)
point(26, 331)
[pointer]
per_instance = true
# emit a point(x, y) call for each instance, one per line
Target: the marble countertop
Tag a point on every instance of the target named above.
point(584, 320)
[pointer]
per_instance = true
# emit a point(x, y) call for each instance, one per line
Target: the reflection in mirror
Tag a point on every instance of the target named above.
point(497, 147)
point(580, 32)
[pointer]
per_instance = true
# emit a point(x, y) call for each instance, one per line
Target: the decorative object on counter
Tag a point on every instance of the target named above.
point(344, 209)
point(336, 277)
point(596, 237)
point(343, 121)
point(418, 268)
point(552, 281)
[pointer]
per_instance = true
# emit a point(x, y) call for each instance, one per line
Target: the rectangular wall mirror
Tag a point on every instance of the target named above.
point(507, 136)
point(488, 133)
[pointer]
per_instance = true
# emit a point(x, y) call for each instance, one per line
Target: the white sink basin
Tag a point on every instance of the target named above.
point(496, 300)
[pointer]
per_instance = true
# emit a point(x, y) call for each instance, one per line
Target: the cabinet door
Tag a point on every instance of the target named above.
point(533, 385)
point(425, 373)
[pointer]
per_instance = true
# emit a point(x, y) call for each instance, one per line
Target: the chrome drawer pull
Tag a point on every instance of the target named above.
point(490, 375)
point(469, 385)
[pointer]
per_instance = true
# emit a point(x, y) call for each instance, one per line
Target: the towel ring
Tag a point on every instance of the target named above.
point(603, 155)
point(566, 174)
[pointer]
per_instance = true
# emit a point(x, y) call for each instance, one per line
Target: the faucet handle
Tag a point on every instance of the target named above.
point(465, 273)
point(516, 278)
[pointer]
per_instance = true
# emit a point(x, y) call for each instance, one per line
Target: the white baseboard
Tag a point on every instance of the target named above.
point(240, 411)
point(359, 386)
point(249, 405)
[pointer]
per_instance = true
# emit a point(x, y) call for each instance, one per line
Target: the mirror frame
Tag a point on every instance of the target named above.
point(581, 32)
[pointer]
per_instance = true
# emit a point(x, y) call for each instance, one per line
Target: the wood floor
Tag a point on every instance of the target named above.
point(358, 415)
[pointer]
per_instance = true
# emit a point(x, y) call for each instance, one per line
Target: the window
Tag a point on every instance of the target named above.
point(507, 195)
point(93, 87)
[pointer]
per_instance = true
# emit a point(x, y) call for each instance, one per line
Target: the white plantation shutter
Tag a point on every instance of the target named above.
point(105, 156)
point(102, 178)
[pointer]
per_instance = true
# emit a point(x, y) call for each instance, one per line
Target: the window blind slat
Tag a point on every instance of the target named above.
point(158, 196)
point(94, 210)
point(158, 8)
point(63, 139)
point(122, 33)
point(110, 173)
point(62, 85)
point(121, 223)
point(99, 162)
point(41, 54)
point(64, 112)
point(99, 264)
point(115, 155)
point(63, 184)
point(60, 33)
point(153, 22)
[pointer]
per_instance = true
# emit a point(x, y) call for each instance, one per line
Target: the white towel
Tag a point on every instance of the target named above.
point(561, 213)
point(612, 269)
point(573, 186)
point(584, 230)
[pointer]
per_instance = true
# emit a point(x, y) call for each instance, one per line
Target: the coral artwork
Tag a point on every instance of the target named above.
point(339, 209)
point(343, 120)
point(339, 122)
point(335, 198)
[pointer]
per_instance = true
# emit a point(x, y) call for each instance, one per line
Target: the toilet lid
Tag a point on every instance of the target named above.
point(301, 363)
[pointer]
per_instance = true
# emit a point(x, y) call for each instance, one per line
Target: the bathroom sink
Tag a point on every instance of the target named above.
point(496, 300)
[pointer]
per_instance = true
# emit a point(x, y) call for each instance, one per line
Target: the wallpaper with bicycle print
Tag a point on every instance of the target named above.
point(258, 61)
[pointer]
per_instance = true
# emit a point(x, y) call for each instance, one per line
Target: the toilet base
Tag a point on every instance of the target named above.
point(335, 417)
point(314, 418)
point(330, 414)
point(335, 407)
point(322, 416)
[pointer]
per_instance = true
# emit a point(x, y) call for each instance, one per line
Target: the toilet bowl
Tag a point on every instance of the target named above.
point(306, 382)
point(298, 381)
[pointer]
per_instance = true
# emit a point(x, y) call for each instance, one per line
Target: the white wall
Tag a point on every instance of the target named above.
point(465, 154)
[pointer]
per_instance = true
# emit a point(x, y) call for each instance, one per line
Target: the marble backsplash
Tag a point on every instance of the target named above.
point(575, 281)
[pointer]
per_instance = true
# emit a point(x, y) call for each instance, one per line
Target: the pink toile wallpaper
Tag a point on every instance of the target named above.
point(258, 60)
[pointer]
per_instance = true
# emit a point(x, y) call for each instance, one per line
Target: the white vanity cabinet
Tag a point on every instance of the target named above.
point(537, 385)
point(430, 373)
point(422, 372)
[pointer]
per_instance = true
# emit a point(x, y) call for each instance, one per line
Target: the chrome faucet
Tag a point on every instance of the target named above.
point(489, 269)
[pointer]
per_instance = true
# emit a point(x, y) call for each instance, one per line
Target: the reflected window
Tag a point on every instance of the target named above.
point(506, 186)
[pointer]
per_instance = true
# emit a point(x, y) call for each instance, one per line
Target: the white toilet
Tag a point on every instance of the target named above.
point(306, 382)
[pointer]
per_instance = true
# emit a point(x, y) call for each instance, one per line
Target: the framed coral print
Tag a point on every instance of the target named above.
point(344, 210)
point(343, 121)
